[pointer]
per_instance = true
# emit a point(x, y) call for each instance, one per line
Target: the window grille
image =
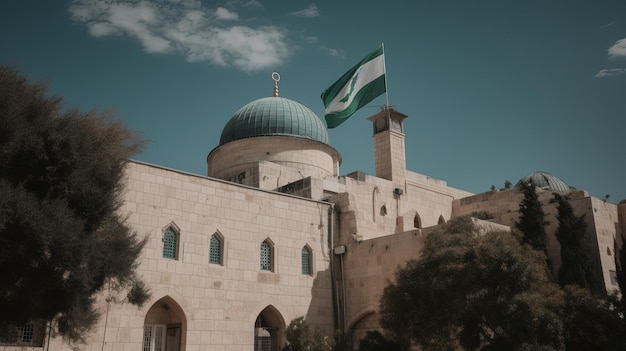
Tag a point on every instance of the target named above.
point(26, 332)
point(170, 243)
point(215, 252)
point(147, 337)
point(154, 337)
point(29, 334)
point(266, 256)
point(306, 261)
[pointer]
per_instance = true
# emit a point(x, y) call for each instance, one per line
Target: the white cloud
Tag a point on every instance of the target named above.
point(225, 14)
point(188, 28)
point(309, 12)
point(250, 4)
point(618, 50)
point(610, 72)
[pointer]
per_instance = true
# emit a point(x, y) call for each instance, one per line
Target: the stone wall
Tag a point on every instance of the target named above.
point(215, 304)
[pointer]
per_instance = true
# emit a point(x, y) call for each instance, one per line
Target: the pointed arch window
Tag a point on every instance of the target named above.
point(171, 236)
point(307, 261)
point(216, 249)
point(417, 221)
point(267, 256)
point(441, 220)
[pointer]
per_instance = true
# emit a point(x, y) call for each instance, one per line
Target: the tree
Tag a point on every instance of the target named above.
point(532, 219)
point(300, 337)
point(591, 323)
point(620, 274)
point(578, 266)
point(63, 239)
point(478, 292)
point(375, 341)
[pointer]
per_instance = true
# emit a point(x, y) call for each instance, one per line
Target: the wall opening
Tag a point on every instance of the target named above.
point(165, 327)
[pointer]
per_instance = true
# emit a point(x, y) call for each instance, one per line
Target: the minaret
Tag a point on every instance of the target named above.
point(389, 154)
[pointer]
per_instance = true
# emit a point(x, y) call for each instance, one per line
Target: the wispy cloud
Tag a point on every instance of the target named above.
point(615, 52)
point(607, 25)
point(187, 27)
point(610, 72)
point(309, 12)
point(618, 50)
point(333, 52)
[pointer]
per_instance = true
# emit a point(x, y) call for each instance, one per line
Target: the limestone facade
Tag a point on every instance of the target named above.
point(277, 205)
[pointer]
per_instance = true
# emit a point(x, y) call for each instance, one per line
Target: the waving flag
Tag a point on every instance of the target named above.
point(357, 87)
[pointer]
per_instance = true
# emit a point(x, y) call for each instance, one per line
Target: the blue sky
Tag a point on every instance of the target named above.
point(494, 90)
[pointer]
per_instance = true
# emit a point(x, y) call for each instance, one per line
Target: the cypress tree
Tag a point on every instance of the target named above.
point(578, 265)
point(532, 219)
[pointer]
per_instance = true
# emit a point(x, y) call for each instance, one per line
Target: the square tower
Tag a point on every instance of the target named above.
point(389, 154)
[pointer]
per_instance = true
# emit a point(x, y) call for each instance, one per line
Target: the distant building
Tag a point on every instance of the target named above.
point(274, 233)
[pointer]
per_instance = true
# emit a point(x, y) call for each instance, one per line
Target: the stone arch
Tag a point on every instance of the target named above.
point(417, 221)
point(441, 220)
point(362, 322)
point(269, 328)
point(165, 326)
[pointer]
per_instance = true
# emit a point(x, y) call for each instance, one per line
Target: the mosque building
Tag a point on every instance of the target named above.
point(274, 232)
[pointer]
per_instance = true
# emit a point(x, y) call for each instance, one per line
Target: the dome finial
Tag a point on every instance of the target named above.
point(276, 79)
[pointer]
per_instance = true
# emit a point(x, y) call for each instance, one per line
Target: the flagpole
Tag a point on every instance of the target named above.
point(386, 89)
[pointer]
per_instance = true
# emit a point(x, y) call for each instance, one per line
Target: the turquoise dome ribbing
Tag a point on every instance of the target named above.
point(274, 116)
point(545, 180)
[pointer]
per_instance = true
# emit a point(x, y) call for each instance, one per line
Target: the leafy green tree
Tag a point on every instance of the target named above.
point(300, 337)
point(375, 341)
point(532, 219)
point(591, 323)
point(578, 265)
point(62, 237)
point(477, 292)
point(484, 215)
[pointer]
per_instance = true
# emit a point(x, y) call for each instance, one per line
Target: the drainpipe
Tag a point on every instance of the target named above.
point(338, 291)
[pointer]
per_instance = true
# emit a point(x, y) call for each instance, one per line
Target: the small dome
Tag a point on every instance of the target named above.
point(545, 180)
point(274, 116)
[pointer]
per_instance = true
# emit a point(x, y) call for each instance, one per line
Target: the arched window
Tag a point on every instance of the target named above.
point(170, 242)
point(216, 249)
point(417, 221)
point(307, 267)
point(267, 256)
point(441, 220)
point(383, 211)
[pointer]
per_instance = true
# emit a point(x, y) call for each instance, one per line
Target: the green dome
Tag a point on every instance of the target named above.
point(545, 180)
point(274, 116)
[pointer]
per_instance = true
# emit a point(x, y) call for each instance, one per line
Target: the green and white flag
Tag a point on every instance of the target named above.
point(357, 87)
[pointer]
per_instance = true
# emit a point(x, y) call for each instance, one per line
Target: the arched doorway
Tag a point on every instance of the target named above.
point(359, 328)
point(165, 327)
point(269, 330)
